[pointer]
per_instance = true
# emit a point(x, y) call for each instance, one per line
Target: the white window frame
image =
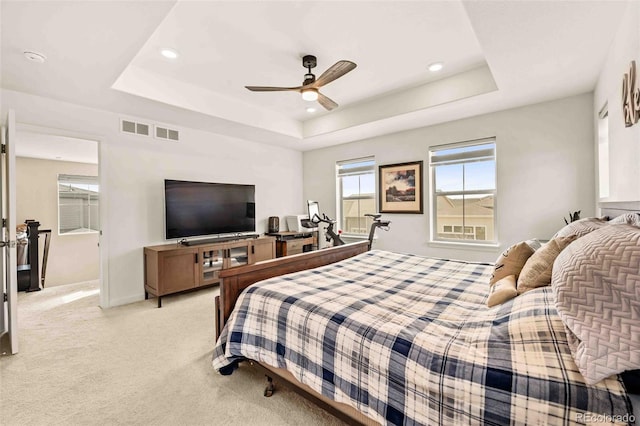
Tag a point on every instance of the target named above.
point(433, 194)
point(367, 169)
point(474, 231)
point(603, 153)
point(82, 180)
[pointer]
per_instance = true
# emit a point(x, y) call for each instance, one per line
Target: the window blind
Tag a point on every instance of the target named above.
point(446, 155)
point(356, 167)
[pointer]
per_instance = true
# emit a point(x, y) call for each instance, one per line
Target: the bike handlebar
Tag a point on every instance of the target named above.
point(324, 218)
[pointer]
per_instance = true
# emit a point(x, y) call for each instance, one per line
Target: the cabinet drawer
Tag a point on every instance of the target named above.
point(297, 246)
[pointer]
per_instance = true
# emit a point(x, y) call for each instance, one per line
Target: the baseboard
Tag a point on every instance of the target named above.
point(125, 300)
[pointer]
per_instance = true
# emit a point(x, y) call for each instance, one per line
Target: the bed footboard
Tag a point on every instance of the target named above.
point(234, 280)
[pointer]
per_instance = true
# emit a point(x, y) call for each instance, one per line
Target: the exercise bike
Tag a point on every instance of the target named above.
point(377, 223)
point(331, 235)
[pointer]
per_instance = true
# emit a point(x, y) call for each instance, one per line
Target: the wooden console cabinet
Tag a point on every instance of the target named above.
point(290, 242)
point(172, 268)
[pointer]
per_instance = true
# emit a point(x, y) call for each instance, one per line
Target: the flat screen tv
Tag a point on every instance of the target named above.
point(204, 208)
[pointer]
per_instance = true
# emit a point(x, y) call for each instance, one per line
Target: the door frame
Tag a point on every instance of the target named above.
point(103, 248)
point(9, 265)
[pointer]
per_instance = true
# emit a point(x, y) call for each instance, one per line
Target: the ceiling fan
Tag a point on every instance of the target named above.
point(310, 85)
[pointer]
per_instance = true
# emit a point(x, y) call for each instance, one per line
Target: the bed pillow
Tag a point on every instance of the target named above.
point(534, 243)
point(538, 268)
point(581, 227)
point(502, 290)
point(628, 218)
point(596, 281)
point(511, 261)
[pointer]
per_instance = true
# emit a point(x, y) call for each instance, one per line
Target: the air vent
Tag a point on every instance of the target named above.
point(166, 133)
point(134, 128)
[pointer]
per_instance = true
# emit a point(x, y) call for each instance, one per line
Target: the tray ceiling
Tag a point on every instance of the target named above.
point(496, 55)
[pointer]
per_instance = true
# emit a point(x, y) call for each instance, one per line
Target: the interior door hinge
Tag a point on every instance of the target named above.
point(4, 222)
point(5, 297)
point(4, 148)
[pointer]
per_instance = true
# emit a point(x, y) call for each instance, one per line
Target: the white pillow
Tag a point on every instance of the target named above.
point(581, 227)
point(628, 218)
point(596, 281)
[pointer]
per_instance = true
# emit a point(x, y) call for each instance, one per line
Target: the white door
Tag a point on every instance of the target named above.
point(8, 264)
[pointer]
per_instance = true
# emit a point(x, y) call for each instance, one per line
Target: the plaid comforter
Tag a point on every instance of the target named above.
point(409, 340)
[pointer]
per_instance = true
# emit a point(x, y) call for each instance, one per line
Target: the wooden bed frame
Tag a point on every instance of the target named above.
point(234, 280)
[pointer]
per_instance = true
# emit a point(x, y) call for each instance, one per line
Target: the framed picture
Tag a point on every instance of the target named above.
point(400, 188)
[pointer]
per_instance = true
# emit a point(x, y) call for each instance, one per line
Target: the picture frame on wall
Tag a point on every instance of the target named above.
point(400, 188)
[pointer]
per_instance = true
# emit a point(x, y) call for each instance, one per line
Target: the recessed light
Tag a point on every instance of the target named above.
point(169, 53)
point(311, 109)
point(436, 66)
point(34, 56)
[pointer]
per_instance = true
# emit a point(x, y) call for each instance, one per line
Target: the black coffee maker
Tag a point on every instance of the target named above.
point(274, 224)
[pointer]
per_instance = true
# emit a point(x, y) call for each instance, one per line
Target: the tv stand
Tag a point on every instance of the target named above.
point(173, 268)
point(214, 240)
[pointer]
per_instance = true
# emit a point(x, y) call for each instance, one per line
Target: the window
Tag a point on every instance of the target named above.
point(470, 232)
point(356, 180)
point(77, 204)
point(463, 192)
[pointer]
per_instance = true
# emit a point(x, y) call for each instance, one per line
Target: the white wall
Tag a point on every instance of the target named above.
point(545, 169)
point(73, 257)
point(624, 142)
point(132, 170)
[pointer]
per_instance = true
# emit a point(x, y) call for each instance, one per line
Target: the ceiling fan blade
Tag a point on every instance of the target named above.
point(336, 70)
point(271, 89)
point(327, 103)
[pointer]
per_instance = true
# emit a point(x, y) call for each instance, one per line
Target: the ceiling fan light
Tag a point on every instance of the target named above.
point(310, 95)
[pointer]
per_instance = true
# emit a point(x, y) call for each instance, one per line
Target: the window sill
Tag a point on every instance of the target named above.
point(64, 234)
point(355, 236)
point(465, 246)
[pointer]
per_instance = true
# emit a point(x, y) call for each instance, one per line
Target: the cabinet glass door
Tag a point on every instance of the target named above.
point(212, 262)
point(238, 256)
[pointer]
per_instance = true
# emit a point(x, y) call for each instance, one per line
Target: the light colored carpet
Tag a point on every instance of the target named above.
point(135, 365)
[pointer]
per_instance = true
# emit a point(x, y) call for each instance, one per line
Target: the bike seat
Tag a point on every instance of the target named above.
point(374, 216)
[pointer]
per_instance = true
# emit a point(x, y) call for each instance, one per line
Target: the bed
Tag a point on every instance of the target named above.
point(406, 339)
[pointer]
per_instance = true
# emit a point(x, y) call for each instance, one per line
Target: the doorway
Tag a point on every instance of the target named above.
point(57, 185)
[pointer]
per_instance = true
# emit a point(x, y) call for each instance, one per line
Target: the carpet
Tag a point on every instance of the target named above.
point(136, 364)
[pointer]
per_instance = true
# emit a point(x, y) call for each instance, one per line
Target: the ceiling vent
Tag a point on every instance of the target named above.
point(134, 128)
point(166, 133)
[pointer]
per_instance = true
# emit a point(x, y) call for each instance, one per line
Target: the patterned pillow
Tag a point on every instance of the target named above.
point(628, 218)
point(501, 291)
point(596, 281)
point(581, 227)
point(537, 271)
point(511, 261)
